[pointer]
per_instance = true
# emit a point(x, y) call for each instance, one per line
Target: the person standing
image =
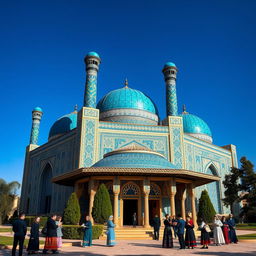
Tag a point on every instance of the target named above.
point(59, 231)
point(33, 244)
point(232, 229)
point(19, 228)
point(180, 231)
point(225, 230)
point(156, 225)
point(190, 239)
point(167, 239)
point(174, 224)
point(134, 220)
point(87, 241)
point(205, 237)
point(111, 237)
point(51, 235)
point(218, 237)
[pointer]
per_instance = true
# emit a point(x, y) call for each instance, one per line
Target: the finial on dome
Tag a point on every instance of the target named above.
point(184, 109)
point(75, 108)
point(126, 83)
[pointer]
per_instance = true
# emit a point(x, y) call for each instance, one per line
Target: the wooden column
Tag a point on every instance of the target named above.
point(183, 196)
point(92, 188)
point(116, 191)
point(172, 193)
point(146, 190)
point(193, 203)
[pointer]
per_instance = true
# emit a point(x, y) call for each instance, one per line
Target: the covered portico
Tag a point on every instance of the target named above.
point(142, 189)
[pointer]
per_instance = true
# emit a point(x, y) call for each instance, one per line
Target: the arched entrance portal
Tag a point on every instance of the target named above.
point(130, 195)
point(45, 196)
point(154, 201)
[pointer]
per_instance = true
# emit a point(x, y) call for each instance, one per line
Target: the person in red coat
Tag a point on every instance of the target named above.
point(190, 238)
point(225, 230)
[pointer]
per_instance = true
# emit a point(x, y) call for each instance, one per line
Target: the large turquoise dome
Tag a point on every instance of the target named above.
point(128, 105)
point(196, 127)
point(63, 125)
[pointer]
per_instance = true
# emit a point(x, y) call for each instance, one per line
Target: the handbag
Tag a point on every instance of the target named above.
point(44, 230)
point(207, 228)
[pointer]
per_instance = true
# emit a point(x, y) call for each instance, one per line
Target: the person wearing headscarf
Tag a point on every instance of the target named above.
point(167, 239)
point(225, 230)
point(33, 244)
point(232, 229)
point(218, 237)
point(190, 238)
point(205, 237)
point(87, 241)
point(111, 237)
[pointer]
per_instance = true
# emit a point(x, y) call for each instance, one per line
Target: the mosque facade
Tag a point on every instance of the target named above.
point(150, 166)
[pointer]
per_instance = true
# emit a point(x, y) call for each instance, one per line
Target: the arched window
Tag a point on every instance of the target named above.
point(155, 191)
point(130, 189)
point(45, 196)
point(213, 189)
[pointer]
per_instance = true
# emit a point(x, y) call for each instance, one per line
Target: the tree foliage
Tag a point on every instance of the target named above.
point(102, 207)
point(72, 212)
point(206, 210)
point(8, 192)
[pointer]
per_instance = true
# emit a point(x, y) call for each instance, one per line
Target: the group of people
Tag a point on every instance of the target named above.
point(223, 232)
point(52, 230)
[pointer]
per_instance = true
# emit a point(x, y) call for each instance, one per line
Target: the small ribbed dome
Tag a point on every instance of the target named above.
point(134, 157)
point(63, 125)
point(196, 127)
point(38, 109)
point(94, 54)
point(169, 64)
point(128, 105)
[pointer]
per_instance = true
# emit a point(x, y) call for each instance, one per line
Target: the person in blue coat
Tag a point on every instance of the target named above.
point(87, 241)
point(111, 238)
point(180, 231)
point(232, 229)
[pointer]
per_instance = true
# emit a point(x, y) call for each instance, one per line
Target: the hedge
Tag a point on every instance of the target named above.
point(29, 220)
point(77, 232)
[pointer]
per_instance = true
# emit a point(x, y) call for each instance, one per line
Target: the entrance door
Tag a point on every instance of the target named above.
point(129, 208)
point(154, 209)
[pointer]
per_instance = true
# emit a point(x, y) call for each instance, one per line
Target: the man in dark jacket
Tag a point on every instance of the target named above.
point(51, 235)
point(180, 231)
point(19, 228)
point(156, 225)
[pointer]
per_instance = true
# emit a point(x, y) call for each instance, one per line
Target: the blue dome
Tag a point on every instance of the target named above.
point(128, 105)
point(169, 64)
point(37, 109)
point(135, 160)
point(95, 54)
point(126, 98)
point(195, 125)
point(63, 125)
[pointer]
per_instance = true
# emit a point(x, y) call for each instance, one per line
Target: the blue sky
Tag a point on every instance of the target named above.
point(43, 43)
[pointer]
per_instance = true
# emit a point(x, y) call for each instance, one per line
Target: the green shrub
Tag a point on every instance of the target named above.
point(77, 232)
point(29, 220)
point(206, 210)
point(72, 212)
point(102, 207)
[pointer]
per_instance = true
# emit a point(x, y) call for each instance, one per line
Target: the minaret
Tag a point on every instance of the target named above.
point(170, 72)
point(92, 62)
point(36, 119)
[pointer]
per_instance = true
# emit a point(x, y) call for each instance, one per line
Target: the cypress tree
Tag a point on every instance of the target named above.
point(72, 212)
point(102, 207)
point(206, 210)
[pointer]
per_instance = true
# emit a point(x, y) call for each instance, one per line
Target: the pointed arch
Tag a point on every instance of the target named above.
point(155, 190)
point(131, 190)
point(45, 190)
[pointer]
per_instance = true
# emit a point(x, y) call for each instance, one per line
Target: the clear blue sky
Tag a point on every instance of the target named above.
point(42, 45)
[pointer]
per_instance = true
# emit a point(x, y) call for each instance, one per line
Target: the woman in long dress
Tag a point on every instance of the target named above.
point(232, 229)
point(225, 230)
point(111, 238)
point(59, 231)
point(87, 241)
point(190, 238)
point(205, 237)
point(167, 239)
point(33, 244)
point(218, 237)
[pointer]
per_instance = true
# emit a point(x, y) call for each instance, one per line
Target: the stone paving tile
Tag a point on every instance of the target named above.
point(153, 248)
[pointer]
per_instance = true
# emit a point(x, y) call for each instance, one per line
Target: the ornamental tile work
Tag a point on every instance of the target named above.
point(90, 91)
point(34, 133)
point(112, 141)
point(177, 146)
point(171, 100)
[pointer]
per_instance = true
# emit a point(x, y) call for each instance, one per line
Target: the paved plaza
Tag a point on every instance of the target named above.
point(150, 247)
